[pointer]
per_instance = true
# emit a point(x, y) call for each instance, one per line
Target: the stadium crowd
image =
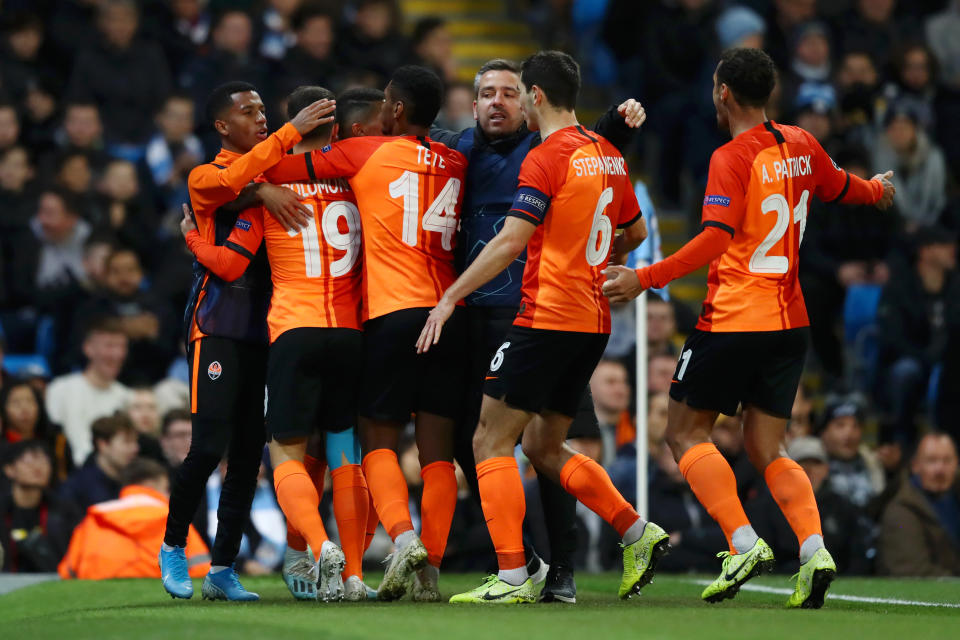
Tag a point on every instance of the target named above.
point(100, 123)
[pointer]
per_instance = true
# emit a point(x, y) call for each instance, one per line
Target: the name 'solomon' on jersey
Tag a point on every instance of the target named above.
point(759, 190)
point(575, 187)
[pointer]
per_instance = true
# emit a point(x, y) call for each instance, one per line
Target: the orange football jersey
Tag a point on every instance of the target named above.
point(576, 188)
point(409, 192)
point(759, 190)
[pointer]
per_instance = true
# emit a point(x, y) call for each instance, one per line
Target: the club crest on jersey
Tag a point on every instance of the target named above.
point(214, 370)
point(720, 201)
point(243, 225)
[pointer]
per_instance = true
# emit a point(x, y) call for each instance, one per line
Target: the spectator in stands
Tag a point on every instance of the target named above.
point(9, 125)
point(432, 47)
point(941, 32)
point(16, 238)
point(82, 131)
point(24, 58)
point(41, 115)
point(174, 150)
point(913, 327)
point(610, 387)
point(228, 57)
point(920, 171)
point(175, 434)
point(145, 415)
point(814, 109)
point(119, 539)
point(115, 447)
point(148, 323)
point(661, 327)
point(276, 28)
point(842, 246)
point(23, 417)
point(123, 211)
point(810, 62)
point(312, 61)
point(457, 111)
point(858, 83)
point(56, 254)
point(855, 472)
point(727, 435)
point(846, 528)
point(783, 18)
point(920, 532)
point(34, 525)
point(373, 42)
point(872, 27)
point(914, 83)
point(126, 77)
point(660, 370)
point(75, 400)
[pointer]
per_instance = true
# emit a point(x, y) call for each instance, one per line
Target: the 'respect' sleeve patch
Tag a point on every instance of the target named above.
point(720, 201)
point(243, 225)
point(530, 204)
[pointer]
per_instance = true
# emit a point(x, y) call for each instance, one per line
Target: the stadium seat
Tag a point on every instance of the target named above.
point(26, 365)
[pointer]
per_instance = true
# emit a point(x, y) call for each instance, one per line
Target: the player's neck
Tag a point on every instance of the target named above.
point(552, 120)
point(746, 119)
point(228, 145)
point(311, 145)
point(414, 130)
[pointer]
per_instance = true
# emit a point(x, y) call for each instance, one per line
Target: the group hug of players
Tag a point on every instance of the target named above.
point(328, 302)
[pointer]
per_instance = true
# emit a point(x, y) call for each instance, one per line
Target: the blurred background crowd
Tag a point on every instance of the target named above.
point(101, 121)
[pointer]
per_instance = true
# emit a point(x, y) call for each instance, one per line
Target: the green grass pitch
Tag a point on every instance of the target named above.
point(668, 608)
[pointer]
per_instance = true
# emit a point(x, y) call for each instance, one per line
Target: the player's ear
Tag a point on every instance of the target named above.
point(399, 109)
point(475, 116)
point(335, 132)
point(221, 127)
point(357, 129)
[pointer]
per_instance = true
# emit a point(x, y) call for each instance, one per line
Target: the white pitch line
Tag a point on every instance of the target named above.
point(846, 598)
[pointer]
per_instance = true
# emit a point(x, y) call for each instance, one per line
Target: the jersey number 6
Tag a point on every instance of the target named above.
point(601, 232)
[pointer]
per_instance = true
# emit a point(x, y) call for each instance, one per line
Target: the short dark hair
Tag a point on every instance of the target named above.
point(221, 98)
point(750, 74)
point(308, 11)
point(81, 104)
point(424, 27)
point(7, 104)
point(556, 73)
point(353, 104)
point(17, 450)
point(497, 64)
point(174, 415)
point(71, 203)
point(304, 96)
point(104, 324)
point(421, 92)
point(119, 250)
point(140, 470)
point(107, 427)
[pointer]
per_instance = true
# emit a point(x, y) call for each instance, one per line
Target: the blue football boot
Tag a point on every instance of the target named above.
point(174, 573)
point(225, 585)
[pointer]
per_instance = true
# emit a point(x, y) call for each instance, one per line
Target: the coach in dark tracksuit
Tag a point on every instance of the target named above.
point(495, 149)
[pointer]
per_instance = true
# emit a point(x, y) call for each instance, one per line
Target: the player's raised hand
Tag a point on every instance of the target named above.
point(285, 206)
point(431, 330)
point(633, 113)
point(886, 200)
point(314, 115)
point(622, 284)
point(187, 224)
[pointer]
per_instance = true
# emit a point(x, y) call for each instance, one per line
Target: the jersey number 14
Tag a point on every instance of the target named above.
point(441, 216)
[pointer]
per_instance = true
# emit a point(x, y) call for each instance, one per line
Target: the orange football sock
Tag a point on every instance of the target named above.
point(584, 478)
point(501, 496)
point(712, 481)
point(389, 490)
point(791, 489)
point(300, 503)
point(372, 521)
point(350, 502)
point(316, 469)
point(437, 505)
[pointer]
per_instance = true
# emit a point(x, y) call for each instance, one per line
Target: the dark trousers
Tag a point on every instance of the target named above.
point(227, 406)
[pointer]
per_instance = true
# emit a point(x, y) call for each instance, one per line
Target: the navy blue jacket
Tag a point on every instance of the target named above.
point(491, 182)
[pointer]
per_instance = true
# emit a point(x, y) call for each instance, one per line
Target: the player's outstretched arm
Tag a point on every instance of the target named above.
point(495, 257)
point(626, 284)
point(230, 260)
